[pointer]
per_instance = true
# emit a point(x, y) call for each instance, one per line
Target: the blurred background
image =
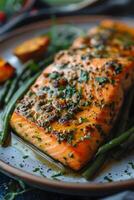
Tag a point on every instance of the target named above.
point(14, 13)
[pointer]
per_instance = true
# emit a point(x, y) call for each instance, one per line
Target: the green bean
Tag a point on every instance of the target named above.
point(128, 142)
point(13, 88)
point(124, 120)
point(125, 113)
point(102, 153)
point(41, 65)
point(124, 147)
point(98, 161)
point(122, 124)
point(130, 123)
point(15, 83)
point(26, 76)
point(115, 142)
point(4, 92)
point(46, 62)
point(11, 106)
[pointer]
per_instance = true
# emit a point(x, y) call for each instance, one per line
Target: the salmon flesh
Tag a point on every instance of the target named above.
point(73, 105)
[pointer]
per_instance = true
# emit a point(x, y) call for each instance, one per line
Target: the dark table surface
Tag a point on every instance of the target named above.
point(7, 185)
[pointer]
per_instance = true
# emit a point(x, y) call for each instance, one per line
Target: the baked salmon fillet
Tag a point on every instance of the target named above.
point(109, 39)
point(71, 108)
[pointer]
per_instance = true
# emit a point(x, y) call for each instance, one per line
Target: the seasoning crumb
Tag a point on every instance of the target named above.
point(25, 157)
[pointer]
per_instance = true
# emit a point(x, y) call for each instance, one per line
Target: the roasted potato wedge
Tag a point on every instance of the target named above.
point(6, 70)
point(32, 49)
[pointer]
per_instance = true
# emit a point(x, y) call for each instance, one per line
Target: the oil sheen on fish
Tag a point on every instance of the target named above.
point(70, 110)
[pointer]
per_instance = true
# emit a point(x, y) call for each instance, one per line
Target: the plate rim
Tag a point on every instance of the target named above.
point(64, 187)
point(59, 186)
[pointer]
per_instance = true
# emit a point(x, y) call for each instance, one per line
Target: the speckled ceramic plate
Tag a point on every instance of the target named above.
point(23, 161)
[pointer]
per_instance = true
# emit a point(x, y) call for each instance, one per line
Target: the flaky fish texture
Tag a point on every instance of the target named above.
point(73, 105)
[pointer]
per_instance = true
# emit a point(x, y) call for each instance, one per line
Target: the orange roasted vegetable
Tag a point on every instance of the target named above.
point(6, 70)
point(32, 49)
